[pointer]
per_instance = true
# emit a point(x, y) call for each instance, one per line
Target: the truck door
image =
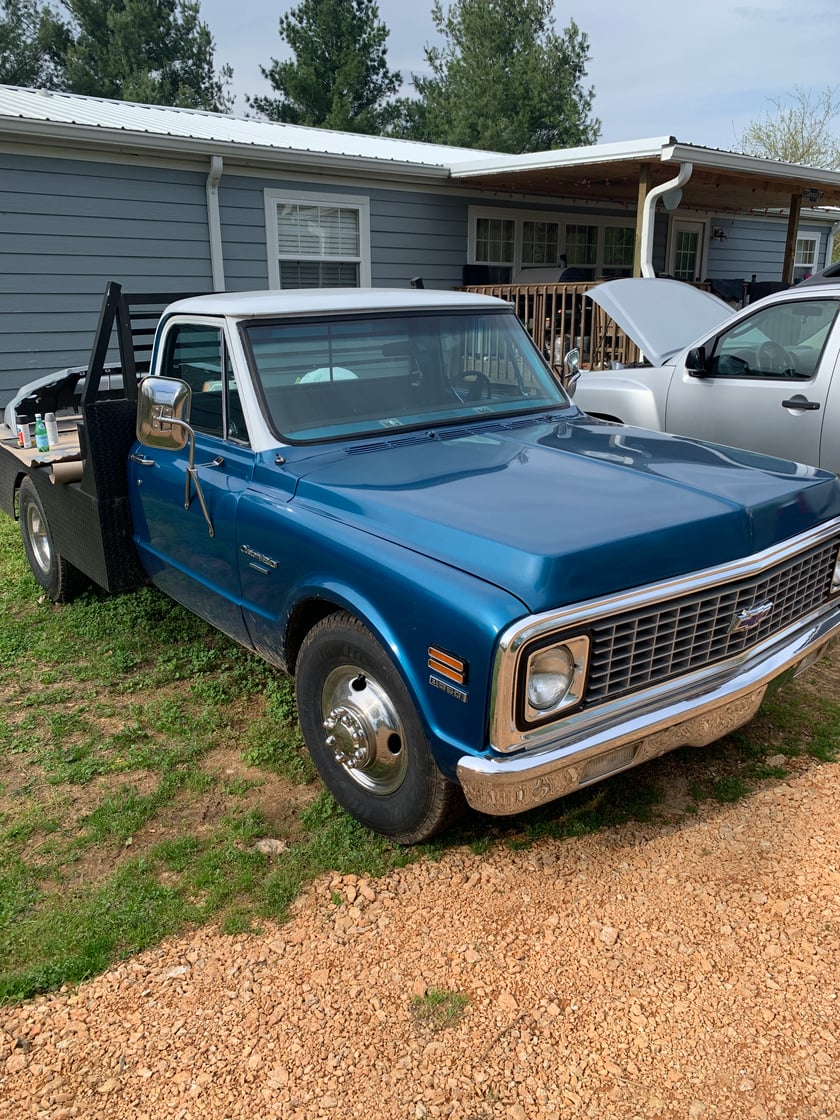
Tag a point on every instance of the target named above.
point(193, 565)
point(766, 382)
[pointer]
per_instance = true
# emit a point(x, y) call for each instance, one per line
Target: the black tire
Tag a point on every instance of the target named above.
point(59, 579)
point(364, 735)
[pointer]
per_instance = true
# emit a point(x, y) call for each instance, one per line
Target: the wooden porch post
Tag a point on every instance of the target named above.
point(644, 182)
point(790, 243)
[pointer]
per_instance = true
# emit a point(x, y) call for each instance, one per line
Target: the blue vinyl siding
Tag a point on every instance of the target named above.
point(411, 233)
point(755, 246)
point(66, 227)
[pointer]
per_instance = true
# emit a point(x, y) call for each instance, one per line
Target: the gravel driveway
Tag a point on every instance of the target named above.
point(686, 968)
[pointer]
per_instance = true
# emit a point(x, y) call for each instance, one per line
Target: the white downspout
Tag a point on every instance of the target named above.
point(214, 223)
point(648, 212)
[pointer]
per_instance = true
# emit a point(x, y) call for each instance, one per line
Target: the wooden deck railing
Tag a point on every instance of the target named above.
point(560, 316)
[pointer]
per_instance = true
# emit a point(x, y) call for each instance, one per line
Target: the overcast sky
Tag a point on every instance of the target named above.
point(699, 70)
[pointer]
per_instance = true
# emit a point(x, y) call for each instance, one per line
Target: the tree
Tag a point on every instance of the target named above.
point(32, 43)
point(339, 77)
point(802, 131)
point(504, 79)
point(153, 51)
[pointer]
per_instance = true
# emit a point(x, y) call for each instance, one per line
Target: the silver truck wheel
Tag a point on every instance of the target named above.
point(365, 737)
point(364, 730)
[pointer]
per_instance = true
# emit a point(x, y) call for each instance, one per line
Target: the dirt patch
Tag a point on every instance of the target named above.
point(686, 968)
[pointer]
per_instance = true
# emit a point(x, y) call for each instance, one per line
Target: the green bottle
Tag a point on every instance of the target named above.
point(41, 440)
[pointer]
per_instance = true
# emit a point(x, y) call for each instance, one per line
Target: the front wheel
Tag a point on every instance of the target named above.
point(365, 737)
point(60, 579)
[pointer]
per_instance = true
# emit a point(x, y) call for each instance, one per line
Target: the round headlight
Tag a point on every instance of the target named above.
point(550, 675)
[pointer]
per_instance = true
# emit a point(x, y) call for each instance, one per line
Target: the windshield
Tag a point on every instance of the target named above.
point(323, 379)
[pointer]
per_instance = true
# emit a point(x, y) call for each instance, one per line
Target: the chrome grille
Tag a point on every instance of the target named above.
point(657, 643)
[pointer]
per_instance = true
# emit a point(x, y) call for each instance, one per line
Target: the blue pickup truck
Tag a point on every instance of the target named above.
point(484, 595)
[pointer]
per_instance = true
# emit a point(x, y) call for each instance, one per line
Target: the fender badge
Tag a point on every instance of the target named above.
point(751, 617)
point(449, 689)
point(260, 557)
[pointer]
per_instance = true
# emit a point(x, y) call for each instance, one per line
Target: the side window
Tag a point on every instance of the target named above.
point(196, 353)
point(783, 341)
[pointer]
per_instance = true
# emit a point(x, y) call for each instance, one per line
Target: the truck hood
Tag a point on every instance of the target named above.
point(662, 317)
point(556, 513)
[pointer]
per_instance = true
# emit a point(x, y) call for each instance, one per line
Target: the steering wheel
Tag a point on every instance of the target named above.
point(773, 358)
point(475, 385)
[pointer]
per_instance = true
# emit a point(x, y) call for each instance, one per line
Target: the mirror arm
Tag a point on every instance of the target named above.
point(571, 371)
point(192, 474)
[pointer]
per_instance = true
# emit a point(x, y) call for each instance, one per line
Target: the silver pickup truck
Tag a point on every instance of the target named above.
point(762, 378)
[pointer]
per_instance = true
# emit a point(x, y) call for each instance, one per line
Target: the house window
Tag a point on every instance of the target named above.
point(581, 246)
point(540, 243)
point(522, 240)
point(805, 256)
point(619, 243)
point(494, 241)
point(317, 241)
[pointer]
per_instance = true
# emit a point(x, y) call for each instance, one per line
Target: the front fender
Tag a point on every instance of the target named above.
point(637, 399)
point(409, 602)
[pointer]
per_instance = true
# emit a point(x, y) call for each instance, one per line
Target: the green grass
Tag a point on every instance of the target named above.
point(438, 1009)
point(144, 754)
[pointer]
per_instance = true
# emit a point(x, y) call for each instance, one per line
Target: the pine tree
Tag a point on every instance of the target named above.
point(504, 80)
point(339, 77)
point(153, 51)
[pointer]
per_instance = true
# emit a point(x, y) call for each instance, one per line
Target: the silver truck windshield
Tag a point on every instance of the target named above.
point(325, 379)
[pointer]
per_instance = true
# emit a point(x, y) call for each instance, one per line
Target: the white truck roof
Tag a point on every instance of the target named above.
point(320, 301)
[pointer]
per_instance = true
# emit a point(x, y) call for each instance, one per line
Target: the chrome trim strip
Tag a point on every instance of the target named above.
point(505, 736)
point(702, 711)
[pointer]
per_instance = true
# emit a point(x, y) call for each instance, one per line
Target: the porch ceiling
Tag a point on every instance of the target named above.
point(715, 189)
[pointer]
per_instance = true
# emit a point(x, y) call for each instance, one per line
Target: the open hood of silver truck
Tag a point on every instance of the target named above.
point(662, 317)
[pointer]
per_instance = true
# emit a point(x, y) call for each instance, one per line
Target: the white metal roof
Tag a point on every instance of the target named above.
point(51, 113)
point(32, 114)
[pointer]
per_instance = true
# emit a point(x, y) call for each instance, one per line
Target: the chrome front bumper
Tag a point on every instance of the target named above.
point(693, 712)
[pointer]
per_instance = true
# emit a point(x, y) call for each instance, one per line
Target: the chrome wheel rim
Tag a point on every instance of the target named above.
point(364, 733)
point(36, 531)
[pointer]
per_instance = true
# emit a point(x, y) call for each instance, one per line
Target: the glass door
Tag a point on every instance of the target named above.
point(686, 256)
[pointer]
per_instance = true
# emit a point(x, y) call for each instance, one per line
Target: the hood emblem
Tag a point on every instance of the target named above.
point(751, 617)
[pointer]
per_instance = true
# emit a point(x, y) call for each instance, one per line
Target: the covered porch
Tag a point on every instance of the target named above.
point(656, 186)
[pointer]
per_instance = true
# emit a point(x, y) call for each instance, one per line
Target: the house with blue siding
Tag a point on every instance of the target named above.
point(175, 200)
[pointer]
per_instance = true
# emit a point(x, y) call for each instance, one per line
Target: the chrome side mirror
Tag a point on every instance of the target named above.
point(163, 412)
point(571, 371)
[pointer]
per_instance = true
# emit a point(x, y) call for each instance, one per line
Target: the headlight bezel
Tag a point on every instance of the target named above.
point(835, 575)
point(578, 646)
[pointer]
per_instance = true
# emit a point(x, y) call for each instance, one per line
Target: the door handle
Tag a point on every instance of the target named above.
point(801, 404)
point(141, 460)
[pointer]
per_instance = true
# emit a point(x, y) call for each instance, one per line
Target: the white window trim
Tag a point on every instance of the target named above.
point(357, 202)
point(688, 219)
point(559, 217)
point(815, 240)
